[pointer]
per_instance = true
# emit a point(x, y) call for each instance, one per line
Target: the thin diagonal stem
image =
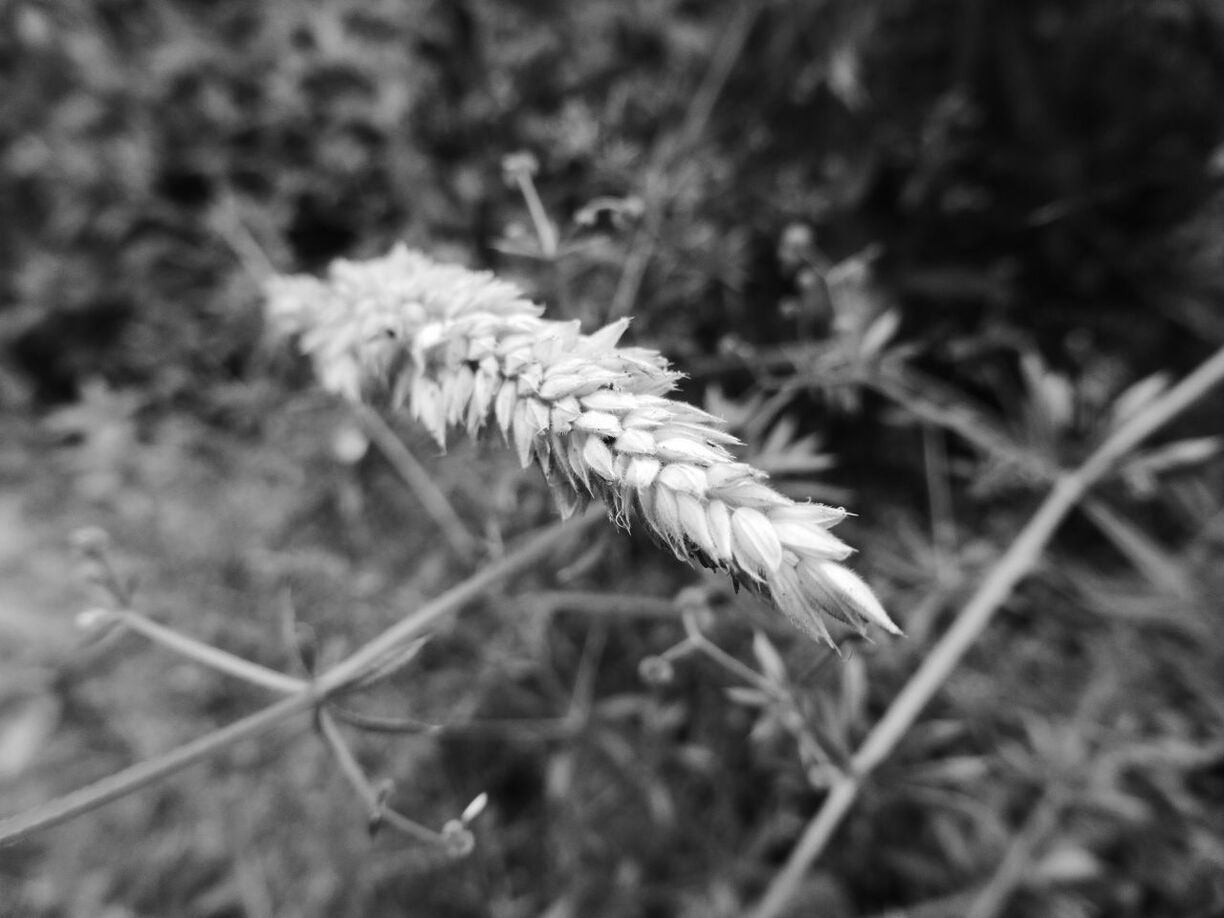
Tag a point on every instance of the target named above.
point(729, 49)
point(545, 231)
point(343, 675)
point(992, 899)
point(207, 655)
point(1010, 569)
point(349, 767)
point(142, 774)
point(376, 808)
point(432, 499)
point(551, 539)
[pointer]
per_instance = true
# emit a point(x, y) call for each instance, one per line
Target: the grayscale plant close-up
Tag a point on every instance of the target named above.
point(611, 459)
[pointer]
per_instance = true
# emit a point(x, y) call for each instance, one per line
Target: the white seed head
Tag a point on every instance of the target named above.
point(463, 349)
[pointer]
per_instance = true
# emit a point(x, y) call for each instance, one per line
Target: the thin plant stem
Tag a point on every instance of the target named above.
point(742, 670)
point(376, 809)
point(988, 437)
point(540, 727)
point(551, 539)
point(545, 231)
point(432, 499)
point(379, 723)
point(1011, 568)
point(731, 46)
point(340, 677)
point(207, 655)
point(375, 798)
point(387, 667)
point(349, 767)
point(716, 654)
point(992, 899)
point(258, 264)
point(143, 774)
point(681, 650)
point(939, 496)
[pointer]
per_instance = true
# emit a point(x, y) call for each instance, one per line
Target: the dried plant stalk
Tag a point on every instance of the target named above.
point(464, 349)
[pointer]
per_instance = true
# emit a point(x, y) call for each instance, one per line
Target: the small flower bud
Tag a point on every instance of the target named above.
point(522, 163)
point(457, 839)
point(656, 671)
point(349, 444)
point(475, 808)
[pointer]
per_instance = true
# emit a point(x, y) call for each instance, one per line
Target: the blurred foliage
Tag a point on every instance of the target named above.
point(922, 255)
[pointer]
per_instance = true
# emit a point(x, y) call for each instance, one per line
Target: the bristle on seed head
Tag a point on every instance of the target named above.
point(467, 350)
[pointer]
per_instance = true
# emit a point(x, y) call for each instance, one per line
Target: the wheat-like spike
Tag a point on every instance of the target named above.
point(467, 350)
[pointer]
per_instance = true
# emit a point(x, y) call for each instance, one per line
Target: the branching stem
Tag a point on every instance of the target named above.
point(1024, 553)
point(212, 657)
point(345, 674)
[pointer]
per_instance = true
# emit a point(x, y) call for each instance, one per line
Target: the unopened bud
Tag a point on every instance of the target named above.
point(474, 809)
point(521, 163)
point(656, 670)
point(457, 839)
point(349, 444)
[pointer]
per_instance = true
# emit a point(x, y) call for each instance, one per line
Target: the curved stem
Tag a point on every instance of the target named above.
point(1010, 569)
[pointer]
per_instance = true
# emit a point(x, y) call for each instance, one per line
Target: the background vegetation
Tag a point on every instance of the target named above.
point(920, 253)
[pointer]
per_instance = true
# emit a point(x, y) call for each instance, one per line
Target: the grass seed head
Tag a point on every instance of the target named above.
point(465, 348)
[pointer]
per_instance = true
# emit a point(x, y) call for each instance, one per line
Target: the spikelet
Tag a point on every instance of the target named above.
point(464, 349)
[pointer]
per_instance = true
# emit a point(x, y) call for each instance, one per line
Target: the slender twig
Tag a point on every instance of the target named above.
point(418, 480)
point(697, 639)
point(939, 495)
point(741, 670)
point(207, 655)
point(345, 674)
point(908, 389)
point(545, 231)
point(259, 265)
point(228, 223)
point(396, 659)
point(349, 766)
point(551, 539)
point(378, 723)
point(1144, 553)
point(1011, 568)
point(374, 799)
point(542, 727)
point(1046, 814)
point(731, 46)
point(142, 774)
